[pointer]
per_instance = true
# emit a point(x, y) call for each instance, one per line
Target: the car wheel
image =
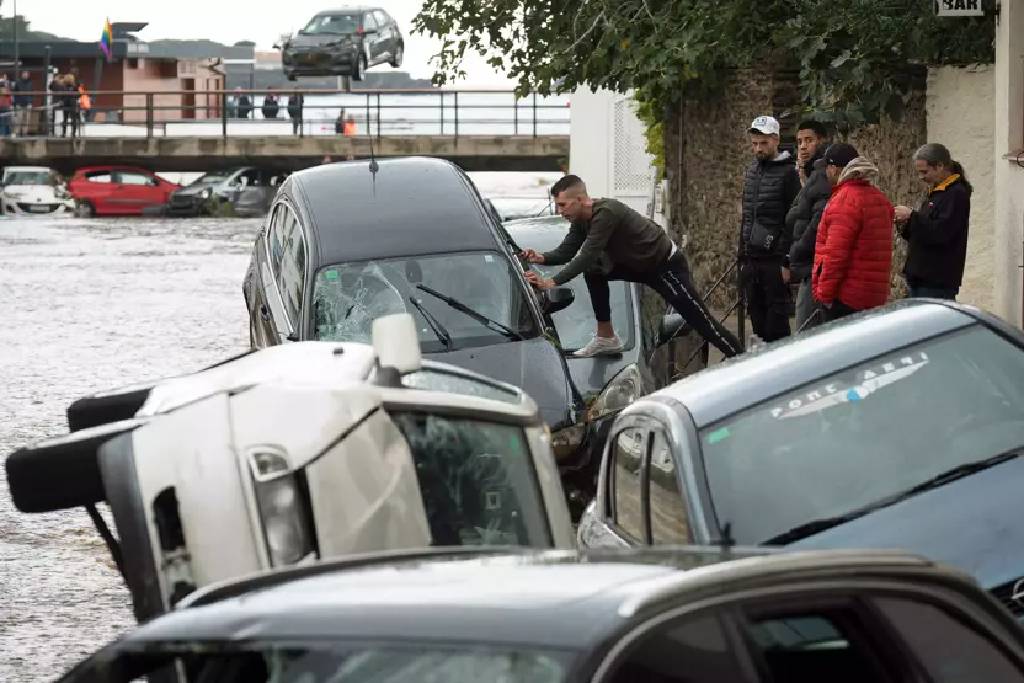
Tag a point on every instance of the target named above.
point(84, 209)
point(362, 64)
point(396, 58)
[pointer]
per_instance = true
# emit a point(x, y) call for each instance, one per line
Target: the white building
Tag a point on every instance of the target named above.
point(607, 150)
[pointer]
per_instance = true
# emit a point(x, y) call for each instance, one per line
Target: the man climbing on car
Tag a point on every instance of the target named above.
point(610, 241)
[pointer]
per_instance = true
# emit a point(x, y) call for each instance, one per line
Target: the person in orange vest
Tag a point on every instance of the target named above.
point(350, 125)
point(84, 103)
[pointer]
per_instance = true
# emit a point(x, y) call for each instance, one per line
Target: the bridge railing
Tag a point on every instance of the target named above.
point(250, 113)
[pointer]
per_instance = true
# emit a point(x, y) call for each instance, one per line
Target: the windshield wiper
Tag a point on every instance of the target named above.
point(959, 472)
point(494, 325)
point(435, 325)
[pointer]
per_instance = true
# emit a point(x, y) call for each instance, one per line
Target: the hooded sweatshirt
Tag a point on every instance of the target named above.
point(853, 250)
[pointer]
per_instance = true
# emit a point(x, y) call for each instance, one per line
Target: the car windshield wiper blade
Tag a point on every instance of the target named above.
point(436, 327)
point(959, 472)
point(494, 325)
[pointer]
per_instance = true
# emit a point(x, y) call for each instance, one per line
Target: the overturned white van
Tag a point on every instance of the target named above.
point(300, 452)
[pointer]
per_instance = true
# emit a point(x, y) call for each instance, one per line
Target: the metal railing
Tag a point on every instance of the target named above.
point(223, 113)
point(738, 306)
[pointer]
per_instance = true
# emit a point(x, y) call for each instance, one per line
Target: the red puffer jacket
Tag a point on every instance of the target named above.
point(853, 252)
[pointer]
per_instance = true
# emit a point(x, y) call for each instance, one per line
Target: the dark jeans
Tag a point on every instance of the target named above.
point(70, 119)
point(296, 125)
point(768, 299)
point(836, 311)
point(924, 292)
point(671, 281)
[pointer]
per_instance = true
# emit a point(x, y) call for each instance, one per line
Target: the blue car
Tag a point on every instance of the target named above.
point(898, 428)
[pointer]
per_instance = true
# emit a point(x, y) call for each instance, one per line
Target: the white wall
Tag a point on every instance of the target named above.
point(960, 117)
point(1008, 176)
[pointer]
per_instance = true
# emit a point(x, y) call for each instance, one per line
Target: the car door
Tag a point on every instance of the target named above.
point(282, 277)
point(372, 39)
point(136, 190)
point(388, 33)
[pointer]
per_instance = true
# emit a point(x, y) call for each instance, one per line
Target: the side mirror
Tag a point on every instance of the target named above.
point(669, 328)
point(396, 343)
point(558, 299)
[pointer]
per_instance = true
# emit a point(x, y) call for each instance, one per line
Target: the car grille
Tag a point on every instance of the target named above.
point(28, 207)
point(1006, 592)
point(183, 201)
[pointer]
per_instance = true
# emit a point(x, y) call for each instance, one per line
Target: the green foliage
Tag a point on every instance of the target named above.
point(853, 55)
point(654, 133)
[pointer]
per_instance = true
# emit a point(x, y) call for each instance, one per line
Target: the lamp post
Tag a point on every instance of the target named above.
point(15, 36)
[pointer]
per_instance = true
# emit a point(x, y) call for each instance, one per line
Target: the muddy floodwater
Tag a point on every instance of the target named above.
point(87, 305)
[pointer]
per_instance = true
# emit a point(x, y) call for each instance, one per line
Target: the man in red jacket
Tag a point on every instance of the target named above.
point(853, 251)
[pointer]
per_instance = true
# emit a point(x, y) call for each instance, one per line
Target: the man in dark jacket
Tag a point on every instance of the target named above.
point(295, 111)
point(22, 103)
point(770, 186)
point(804, 215)
point(936, 234)
point(610, 241)
point(270, 106)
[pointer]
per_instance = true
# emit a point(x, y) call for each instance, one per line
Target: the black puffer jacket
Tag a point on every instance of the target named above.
point(769, 189)
point(803, 219)
point(937, 236)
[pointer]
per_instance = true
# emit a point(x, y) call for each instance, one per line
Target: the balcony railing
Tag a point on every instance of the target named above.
point(223, 113)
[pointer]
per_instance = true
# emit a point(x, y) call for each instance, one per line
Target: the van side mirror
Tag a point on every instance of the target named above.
point(397, 344)
point(558, 299)
point(669, 328)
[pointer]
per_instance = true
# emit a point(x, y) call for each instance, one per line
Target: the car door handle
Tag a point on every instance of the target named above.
point(264, 312)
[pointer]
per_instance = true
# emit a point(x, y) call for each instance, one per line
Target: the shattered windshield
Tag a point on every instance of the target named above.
point(331, 24)
point(575, 324)
point(348, 297)
point(846, 440)
point(477, 480)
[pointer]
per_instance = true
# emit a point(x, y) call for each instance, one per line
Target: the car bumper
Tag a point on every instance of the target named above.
point(17, 208)
point(318, 62)
point(188, 205)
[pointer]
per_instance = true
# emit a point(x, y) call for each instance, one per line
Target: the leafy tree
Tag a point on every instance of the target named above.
point(853, 55)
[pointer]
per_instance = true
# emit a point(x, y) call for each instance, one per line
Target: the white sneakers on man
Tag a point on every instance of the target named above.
point(600, 346)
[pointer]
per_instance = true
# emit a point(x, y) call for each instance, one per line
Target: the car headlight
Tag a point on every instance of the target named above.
point(625, 388)
point(207, 193)
point(282, 513)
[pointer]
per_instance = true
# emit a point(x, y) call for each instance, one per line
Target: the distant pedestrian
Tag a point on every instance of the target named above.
point(270, 106)
point(770, 186)
point(244, 106)
point(295, 102)
point(69, 106)
point(853, 253)
point(22, 104)
point(936, 233)
point(6, 108)
point(339, 123)
point(350, 126)
point(805, 214)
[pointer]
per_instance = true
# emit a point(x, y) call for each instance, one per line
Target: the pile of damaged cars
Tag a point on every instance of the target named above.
point(298, 453)
point(343, 245)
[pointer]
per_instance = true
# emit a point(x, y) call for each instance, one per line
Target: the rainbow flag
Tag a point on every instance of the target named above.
point(106, 39)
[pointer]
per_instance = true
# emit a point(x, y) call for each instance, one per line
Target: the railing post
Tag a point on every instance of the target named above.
point(441, 94)
point(456, 117)
point(534, 113)
point(378, 117)
point(515, 113)
point(223, 114)
point(369, 131)
point(741, 308)
point(149, 115)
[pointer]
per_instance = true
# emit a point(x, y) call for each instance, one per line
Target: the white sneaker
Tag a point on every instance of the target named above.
point(600, 346)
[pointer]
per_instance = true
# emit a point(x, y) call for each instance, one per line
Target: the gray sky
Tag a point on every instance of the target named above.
point(229, 21)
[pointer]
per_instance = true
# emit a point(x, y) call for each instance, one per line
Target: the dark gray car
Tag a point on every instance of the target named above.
point(685, 615)
point(248, 190)
point(343, 42)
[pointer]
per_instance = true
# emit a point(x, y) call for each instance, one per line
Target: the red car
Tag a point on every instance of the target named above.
point(118, 191)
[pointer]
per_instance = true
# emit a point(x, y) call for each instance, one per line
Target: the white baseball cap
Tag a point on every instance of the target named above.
point(766, 125)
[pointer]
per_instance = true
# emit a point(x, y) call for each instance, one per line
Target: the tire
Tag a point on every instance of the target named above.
point(398, 56)
point(357, 72)
point(60, 473)
point(84, 209)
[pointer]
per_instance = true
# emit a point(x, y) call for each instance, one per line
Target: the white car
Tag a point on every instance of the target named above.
point(34, 191)
point(301, 452)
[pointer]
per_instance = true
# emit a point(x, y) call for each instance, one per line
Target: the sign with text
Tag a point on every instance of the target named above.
point(959, 8)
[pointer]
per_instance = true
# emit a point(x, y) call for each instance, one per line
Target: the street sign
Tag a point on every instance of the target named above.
point(959, 8)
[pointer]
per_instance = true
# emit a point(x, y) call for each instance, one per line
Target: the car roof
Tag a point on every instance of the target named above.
point(113, 167)
point(497, 595)
point(352, 8)
point(411, 206)
point(542, 233)
point(27, 168)
point(776, 368)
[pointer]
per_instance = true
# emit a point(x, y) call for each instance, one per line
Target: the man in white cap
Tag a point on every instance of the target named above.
point(770, 186)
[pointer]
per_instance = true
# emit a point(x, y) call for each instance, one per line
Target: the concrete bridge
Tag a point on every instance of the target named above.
point(471, 152)
point(492, 130)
